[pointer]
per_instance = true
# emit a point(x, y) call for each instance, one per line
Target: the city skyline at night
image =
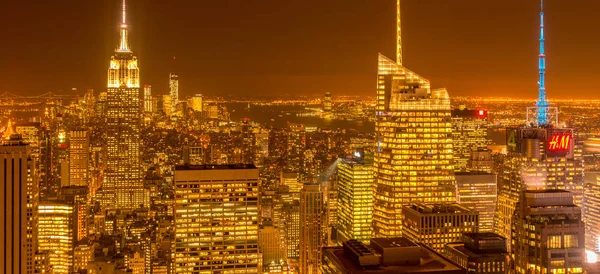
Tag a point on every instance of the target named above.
point(276, 154)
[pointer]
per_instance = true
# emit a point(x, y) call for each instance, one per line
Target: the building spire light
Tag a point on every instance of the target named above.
point(124, 44)
point(398, 34)
point(124, 13)
point(542, 103)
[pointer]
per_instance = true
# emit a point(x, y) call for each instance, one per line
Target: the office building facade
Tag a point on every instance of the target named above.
point(19, 194)
point(56, 234)
point(355, 185)
point(312, 228)
point(291, 230)
point(148, 98)
point(548, 233)
point(469, 134)
point(478, 191)
point(216, 219)
point(591, 210)
point(79, 154)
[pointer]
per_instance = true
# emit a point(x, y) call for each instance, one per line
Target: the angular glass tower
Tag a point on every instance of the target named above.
point(413, 159)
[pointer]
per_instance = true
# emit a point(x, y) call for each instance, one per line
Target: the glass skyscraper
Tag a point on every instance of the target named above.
point(413, 158)
point(216, 219)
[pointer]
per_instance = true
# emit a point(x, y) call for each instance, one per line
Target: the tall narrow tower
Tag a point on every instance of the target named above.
point(312, 223)
point(542, 114)
point(123, 187)
point(18, 238)
point(541, 156)
point(413, 158)
point(174, 92)
point(148, 98)
point(542, 104)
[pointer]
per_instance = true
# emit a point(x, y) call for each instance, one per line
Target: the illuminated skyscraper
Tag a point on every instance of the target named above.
point(216, 219)
point(355, 184)
point(413, 158)
point(166, 105)
point(19, 207)
point(296, 146)
point(469, 135)
point(548, 233)
point(79, 143)
point(312, 226)
point(541, 156)
point(55, 235)
point(123, 188)
point(148, 98)
point(174, 91)
point(327, 105)
point(291, 230)
point(591, 210)
point(196, 102)
point(479, 191)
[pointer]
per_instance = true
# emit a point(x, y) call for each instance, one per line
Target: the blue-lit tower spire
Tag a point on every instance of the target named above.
point(542, 103)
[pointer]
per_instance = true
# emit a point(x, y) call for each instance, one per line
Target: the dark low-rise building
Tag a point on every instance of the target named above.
point(479, 253)
point(386, 256)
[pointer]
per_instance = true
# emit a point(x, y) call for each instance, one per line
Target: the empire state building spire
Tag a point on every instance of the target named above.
point(124, 44)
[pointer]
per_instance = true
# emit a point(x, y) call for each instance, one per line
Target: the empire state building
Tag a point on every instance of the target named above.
point(123, 187)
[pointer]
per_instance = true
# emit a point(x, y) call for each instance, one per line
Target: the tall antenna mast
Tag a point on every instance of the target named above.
point(542, 103)
point(124, 44)
point(398, 34)
point(124, 13)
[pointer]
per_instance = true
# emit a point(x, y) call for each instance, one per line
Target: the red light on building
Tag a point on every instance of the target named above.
point(559, 142)
point(482, 113)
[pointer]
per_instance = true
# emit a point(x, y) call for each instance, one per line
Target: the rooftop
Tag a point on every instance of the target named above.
point(431, 262)
point(393, 242)
point(484, 236)
point(549, 197)
point(469, 113)
point(211, 167)
point(452, 208)
point(475, 255)
point(534, 191)
point(473, 173)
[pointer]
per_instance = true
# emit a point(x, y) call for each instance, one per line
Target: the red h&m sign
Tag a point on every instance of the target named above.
point(559, 142)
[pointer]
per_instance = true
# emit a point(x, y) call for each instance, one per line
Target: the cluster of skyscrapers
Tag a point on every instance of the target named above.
point(426, 195)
